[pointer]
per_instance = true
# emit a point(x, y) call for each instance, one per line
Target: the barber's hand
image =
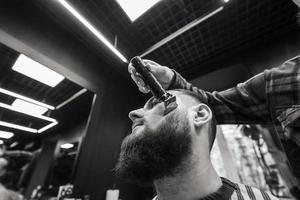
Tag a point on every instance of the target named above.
point(163, 75)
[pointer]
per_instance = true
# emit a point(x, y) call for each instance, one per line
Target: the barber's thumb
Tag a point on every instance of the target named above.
point(144, 89)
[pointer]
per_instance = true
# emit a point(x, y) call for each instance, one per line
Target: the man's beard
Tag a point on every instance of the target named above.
point(150, 155)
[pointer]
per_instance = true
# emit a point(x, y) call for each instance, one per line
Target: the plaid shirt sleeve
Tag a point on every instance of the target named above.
point(269, 97)
point(243, 104)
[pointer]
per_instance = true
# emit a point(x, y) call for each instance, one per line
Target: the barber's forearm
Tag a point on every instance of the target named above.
point(233, 106)
point(178, 82)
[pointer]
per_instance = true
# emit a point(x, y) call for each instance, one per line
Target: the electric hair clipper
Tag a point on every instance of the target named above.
point(155, 87)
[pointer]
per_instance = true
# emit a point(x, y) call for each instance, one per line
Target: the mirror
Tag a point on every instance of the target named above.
point(43, 118)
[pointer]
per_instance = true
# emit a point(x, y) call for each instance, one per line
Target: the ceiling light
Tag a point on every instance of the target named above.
point(24, 128)
point(76, 95)
point(1, 142)
point(226, 1)
point(89, 26)
point(19, 127)
point(6, 135)
point(13, 94)
point(135, 8)
point(47, 127)
point(27, 107)
point(9, 107)
point(67, 146)
point(37, 71)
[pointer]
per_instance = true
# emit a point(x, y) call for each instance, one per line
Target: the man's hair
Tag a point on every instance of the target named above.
point(201, 99)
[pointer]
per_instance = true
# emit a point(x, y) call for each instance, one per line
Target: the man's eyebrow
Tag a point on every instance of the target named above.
point(151, 102)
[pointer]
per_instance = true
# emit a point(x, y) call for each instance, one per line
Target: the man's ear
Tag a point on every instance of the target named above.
point(202, 114)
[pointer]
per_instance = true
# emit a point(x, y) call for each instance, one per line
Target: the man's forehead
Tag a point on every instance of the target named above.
point(182, 98)
point(173, 92)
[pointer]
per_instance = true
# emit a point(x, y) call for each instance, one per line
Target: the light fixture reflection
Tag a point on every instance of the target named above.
point(67, 146)
point(37, 71)
point(27, 107)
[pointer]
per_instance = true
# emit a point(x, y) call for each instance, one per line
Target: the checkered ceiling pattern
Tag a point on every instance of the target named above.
point(29, 87)
point(23, 85)
point(242, 24)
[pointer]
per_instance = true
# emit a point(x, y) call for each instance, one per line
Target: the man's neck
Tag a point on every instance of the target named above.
point(192, 184)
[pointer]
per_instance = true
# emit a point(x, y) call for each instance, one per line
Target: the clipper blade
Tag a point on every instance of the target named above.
point(170, 104)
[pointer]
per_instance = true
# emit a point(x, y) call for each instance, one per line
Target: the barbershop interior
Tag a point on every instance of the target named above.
point(149, 99)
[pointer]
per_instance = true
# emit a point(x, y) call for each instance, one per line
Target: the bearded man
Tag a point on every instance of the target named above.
point(172, 151)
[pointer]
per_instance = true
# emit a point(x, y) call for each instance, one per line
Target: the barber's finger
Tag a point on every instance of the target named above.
point(140, 83)
point(147, 88)
point(146, 61)
point(138, 80)
point(151, 65)
point(131, 69)
point(144, 89)
point(134, 72)
point(154, 67)
point(134, 77)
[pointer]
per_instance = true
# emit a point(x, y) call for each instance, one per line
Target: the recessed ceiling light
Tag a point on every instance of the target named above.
point(71, 98)
point(1, 142)
point(6, 135)
point(226, 1)
point(27, 107)
point(91, 28)
point(135, 8)
point(67, 146)
point(37, 71)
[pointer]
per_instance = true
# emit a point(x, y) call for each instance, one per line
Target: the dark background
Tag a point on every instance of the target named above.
point(247, 37)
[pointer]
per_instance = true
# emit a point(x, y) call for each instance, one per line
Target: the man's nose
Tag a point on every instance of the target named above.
point(135, 114)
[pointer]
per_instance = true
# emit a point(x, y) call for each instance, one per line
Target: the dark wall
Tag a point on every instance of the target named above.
point(272, 53)
point(106, 128)
point(247, 63)
point(25, 27)
point(41, 165)
point(223, 78)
